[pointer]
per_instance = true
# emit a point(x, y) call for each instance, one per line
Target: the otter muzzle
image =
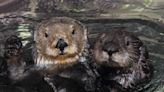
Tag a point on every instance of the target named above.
point(61, 44)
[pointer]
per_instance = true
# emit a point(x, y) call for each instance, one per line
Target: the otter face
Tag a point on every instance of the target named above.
point(117, 49)
point(60, 40)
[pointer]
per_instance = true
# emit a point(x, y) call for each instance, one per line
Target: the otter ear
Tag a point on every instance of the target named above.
point(102, 36)
point(132, 40)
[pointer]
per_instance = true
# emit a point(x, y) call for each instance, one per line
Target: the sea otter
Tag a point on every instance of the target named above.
point(61, 49)
point(121, 60)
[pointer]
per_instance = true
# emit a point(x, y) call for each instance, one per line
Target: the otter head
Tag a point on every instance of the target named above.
point(117, 49)
point(59, 40)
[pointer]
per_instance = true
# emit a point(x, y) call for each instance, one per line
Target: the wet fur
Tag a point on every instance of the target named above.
point(128, 66)
point(15, 64)
point(73, 33)
point(72, 65)
point(21, 77)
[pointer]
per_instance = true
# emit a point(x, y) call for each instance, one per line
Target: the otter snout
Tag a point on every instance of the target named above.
point(110, 48)
point(61, 44)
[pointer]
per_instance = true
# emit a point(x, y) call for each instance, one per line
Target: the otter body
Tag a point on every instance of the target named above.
point(121, 60)
point(61, 48)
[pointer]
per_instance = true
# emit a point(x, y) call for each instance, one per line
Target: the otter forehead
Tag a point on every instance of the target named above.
point(60, 28)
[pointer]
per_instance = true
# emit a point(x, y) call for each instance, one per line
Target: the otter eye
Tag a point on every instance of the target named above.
point(45, 34)
point(73, 31)
point(101, 41)
point(127, 43)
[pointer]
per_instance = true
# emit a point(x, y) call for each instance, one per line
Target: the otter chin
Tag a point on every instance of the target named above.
point(122, 58)
point(60, 42)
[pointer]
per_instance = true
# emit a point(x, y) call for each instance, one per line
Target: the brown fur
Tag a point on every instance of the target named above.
point(122, 58)
point(70, 30)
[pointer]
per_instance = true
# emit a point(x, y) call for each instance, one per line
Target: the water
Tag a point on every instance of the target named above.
point(122, 13)
point(150, 33)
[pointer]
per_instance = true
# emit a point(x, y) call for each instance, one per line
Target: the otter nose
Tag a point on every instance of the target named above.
point(61, 44)
point(110, 48)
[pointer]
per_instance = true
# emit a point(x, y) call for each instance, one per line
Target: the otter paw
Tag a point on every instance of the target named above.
point(13, 46)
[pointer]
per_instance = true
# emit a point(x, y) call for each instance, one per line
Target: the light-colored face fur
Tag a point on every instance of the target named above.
point(48, 34)
point(117, 49)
